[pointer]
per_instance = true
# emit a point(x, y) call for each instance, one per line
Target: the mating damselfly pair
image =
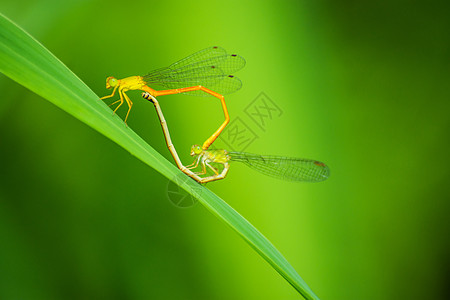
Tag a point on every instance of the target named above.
point(209, 72)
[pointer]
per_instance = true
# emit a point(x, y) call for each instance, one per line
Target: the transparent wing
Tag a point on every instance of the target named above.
point(219, 84)
point(210, 67)
point(212, 56)
point(200, 56)
point(286, 168)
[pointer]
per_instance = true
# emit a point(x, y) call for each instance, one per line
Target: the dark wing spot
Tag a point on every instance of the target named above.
point(215, 47)
point(233, 55)
point(231, 76)
point(213, 67)
point(319, 164)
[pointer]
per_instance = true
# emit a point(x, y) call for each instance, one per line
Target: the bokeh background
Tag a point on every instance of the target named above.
point(363, 86)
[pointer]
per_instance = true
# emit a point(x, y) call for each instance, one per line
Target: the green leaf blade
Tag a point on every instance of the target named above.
point(29, 63)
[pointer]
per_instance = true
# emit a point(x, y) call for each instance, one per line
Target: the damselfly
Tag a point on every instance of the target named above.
point(207, 72)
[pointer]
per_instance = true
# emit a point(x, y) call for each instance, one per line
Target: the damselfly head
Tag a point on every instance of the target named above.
point(196, 150)
point(111, 82)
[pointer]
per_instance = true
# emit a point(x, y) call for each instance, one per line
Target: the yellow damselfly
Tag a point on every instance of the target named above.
point(286, 168)
point(207, 72)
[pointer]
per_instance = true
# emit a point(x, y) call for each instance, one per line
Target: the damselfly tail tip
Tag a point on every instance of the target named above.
point(146, 95)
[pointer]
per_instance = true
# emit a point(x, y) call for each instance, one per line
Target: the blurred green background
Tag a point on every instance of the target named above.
point(363, 86)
